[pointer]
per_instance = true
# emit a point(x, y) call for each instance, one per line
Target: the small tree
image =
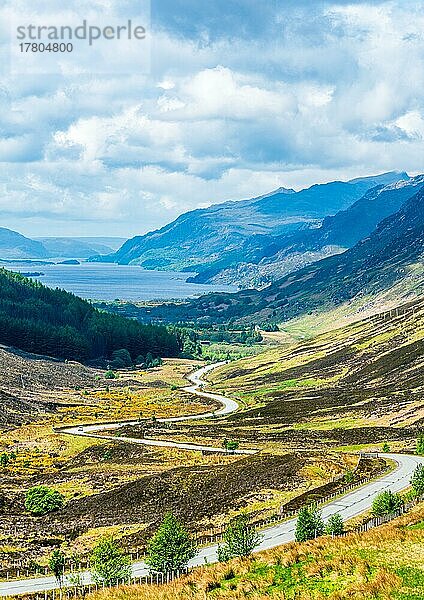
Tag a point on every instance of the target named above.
point(4, 460)
point(57, 565)
point(40, 500)
point(110, 564)
point(230, 445)
point(386, 447)
point(240, 539)
point(76, 578)
point(349, 476)
point(171, 548)
point(417, 480)
point(148, 363)
point(386, 503)
point(420, 444)
point(121, 359)
point(309, 524)
point(335, 525)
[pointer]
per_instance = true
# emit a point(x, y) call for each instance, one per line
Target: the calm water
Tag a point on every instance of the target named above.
point(108, 282)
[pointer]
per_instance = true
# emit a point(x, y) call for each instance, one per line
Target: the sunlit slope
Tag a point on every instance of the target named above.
point(386, 562)
point(370, 371)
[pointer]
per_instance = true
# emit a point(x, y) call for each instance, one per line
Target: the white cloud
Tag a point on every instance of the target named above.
point(337, 94)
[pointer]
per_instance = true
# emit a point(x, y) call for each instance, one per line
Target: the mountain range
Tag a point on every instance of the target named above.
point(226, 234)
point(391, 257)
point(15, 246)
point(271, 260)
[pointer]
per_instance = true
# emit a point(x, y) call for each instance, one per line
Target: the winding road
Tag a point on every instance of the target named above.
point(348, 506)
point(228, 406)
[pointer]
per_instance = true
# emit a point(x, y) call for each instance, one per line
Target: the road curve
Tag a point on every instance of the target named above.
point(348, 506)
point(228, 406)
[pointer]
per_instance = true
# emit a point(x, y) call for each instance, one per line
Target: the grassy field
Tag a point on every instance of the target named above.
point(385, 563)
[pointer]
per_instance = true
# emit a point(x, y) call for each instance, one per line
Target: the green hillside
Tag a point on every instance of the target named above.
point(382, 564)
point(56, 323)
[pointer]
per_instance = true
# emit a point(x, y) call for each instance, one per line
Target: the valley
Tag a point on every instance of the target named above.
point(253, 404)
point(306, 409)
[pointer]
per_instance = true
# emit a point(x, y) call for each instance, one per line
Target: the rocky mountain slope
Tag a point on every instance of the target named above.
point(393, 255)
point(273, 259)
point(201, 238)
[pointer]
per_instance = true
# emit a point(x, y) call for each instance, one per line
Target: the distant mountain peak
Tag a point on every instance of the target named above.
point(383, 178)
point(280, 190)
point(416, 181)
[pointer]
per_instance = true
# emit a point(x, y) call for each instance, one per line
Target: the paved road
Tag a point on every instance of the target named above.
point(228, 406)
point(348, 506)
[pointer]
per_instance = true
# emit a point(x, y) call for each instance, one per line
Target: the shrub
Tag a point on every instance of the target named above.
point(309, 524)
point(150, 362)
point(57, 565)
point(335, 525)
point(240, 539)
point(121, 359)
point(386, 447)
point(110, 375)
point(4, 460)
point(417, 480)
point(230, 444)
point(171, 548)
point(40, 500)
point(349, 476)
point(110, 564)
point(420, 444)
point(386, 503)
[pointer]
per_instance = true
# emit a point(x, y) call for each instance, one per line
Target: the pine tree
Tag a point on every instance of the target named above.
point(417, 480)
point(335, 525)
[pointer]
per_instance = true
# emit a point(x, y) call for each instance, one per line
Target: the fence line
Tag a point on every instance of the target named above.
point(80, 591)
point(214, 535)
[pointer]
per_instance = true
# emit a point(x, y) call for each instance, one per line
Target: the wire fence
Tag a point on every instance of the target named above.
point(23, 569)
point(68, 592)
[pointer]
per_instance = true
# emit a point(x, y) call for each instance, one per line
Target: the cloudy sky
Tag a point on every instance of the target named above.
point(241, 97)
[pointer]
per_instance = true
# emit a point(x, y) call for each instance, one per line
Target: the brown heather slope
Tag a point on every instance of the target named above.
point(362, 383)
point(29, 384)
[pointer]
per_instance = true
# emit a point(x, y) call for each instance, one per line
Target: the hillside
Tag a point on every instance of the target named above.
point(266, 261)
point(56, 323)
point(363, 383)
point(392, 256)
point(32, 386)
point(202, 237)
point(73, 248)
point(386, 562)
point(15, 245)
